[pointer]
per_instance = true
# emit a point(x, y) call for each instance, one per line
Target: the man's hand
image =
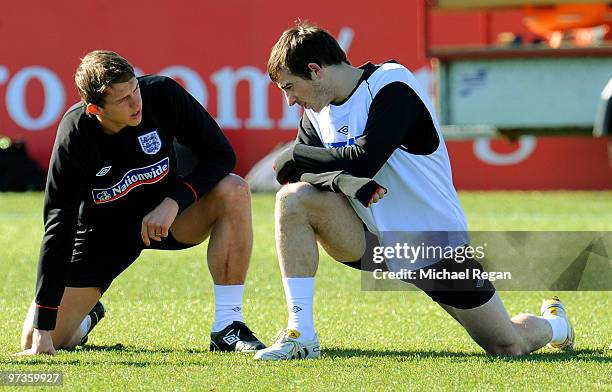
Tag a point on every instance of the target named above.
point(41, 344)
point(285, 168)
point(156, 223)
point(379, 194)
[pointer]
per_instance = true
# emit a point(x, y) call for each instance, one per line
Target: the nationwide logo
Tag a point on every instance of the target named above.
point(133, 178)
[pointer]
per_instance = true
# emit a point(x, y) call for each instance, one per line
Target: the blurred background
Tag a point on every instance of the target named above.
point(522, 87)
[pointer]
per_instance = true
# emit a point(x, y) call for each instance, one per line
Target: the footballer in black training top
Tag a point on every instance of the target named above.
point(113, 190)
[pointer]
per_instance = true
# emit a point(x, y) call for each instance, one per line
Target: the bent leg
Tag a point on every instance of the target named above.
point(491, 327)
point(224, 214)
point(74, 307)
point(305, 215)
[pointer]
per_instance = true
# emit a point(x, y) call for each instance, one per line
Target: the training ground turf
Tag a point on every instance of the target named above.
point(159, 313)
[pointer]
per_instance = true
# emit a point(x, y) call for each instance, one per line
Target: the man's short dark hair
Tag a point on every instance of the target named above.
point(301, 45)
point(98, 71)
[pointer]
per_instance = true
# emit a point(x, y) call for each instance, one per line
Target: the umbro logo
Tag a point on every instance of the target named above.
point(231, 338)
point(237, 309)
point(343, 130)
point(103, 171)
point(296, 309)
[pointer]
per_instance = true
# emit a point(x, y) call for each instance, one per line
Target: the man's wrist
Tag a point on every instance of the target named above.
point(45, 317)
point(172, 202)
point(183, 195)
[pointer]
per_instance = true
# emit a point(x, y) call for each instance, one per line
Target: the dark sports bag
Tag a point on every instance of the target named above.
point(18, 172)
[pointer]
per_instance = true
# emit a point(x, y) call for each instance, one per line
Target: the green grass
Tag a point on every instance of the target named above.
point(159, 313)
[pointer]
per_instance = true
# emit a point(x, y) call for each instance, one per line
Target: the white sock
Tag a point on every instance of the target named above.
point(559, 328)
point(299, 293)
point(80, 332)
point(85, 324)
point(228, 305)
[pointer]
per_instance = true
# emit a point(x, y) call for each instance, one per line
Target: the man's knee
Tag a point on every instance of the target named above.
point(233, 191)
point(505, 349)
point(296, 198)
point(505, 346)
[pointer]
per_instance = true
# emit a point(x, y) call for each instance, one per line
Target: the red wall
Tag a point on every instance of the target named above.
point(532, 163)
point(208, 46)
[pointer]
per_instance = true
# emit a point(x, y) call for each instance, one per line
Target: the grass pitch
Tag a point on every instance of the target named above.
point(159, 313)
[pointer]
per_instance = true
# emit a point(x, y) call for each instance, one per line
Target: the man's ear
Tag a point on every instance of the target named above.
point(315, 70)
point(92, 109)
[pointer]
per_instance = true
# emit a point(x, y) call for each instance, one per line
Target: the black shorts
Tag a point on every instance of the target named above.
point(97, 261)
point(458, 293)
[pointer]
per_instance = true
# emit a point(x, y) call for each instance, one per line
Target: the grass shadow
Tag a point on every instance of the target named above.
point(585, 355)
point(119, 347)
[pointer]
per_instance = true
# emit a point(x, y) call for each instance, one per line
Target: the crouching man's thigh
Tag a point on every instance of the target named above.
point(229, 200)
point(336, 225)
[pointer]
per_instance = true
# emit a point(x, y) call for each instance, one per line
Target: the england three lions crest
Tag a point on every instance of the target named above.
point(150, 142)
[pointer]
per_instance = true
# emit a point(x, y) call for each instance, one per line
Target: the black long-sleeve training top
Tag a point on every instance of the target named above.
point(108, 183)
point(396, 118)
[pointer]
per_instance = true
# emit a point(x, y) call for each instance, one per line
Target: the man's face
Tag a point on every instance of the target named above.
point(122, 105)
point(309, 94)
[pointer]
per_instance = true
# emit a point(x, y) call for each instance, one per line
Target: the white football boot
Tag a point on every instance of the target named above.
point(554, 307)
point(286, 346)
